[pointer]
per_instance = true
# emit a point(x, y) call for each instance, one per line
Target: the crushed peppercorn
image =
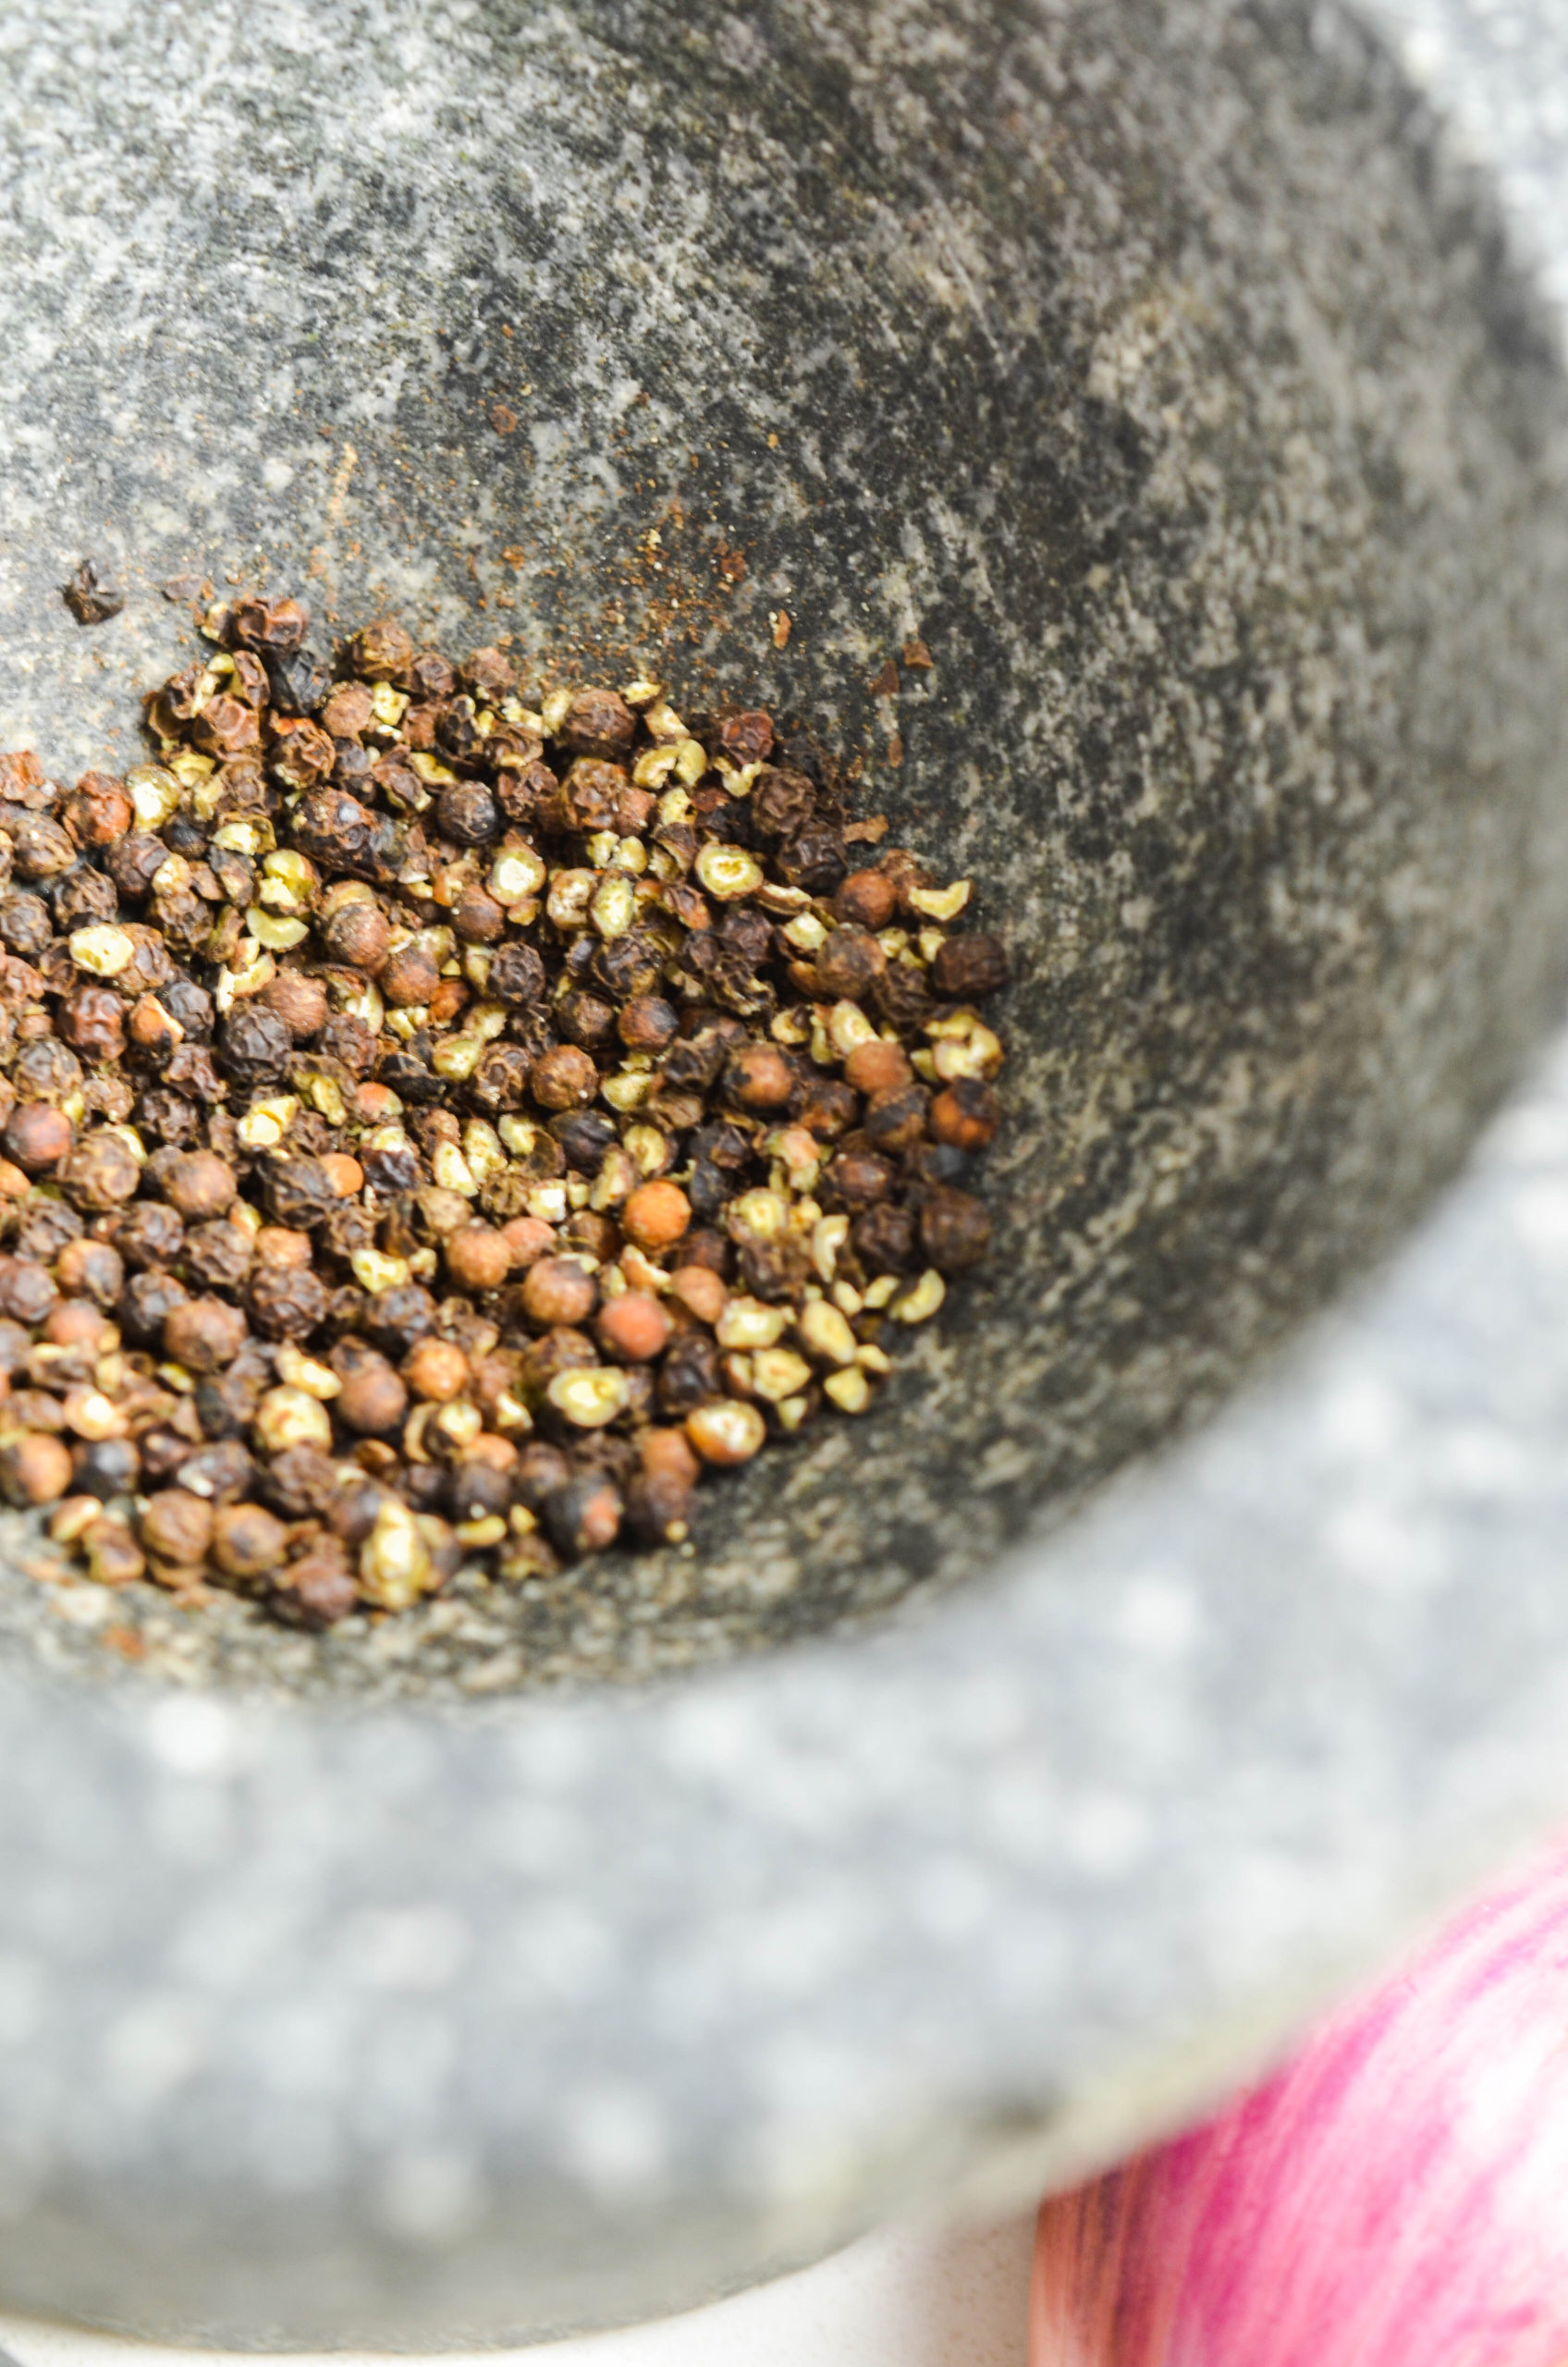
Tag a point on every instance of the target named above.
point(440, 1129)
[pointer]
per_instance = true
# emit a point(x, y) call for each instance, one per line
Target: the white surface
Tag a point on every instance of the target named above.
point(907, 2298)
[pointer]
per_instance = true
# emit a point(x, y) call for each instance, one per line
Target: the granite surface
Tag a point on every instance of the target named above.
point(1166, 369)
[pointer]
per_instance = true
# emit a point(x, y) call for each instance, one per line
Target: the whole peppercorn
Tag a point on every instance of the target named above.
point(867, 899)
point(25, 925)
point(150, 1235)
point(757, 1076)
point(299, 1192)
point(856, 1178)
point(848, 964)
point(359, 936)
point(658, 1508)
point(698, 1289)
point(409, 976)
point(830, 1108)
point(895, 1118)
point(247, 1540)
point(93, 1266)
point(81, 897)
point(633, 1328)
point(204, 1334)
point(349, 1040)
point(92, 1020)
point(300, 1001)
point(877, 1066)
point(177, 1526)
point(689, 1376)
point(37, 1136)
point(656, 1215)
point(372, 1399)
point(517, 974)
point(34, 1469)
point(200, 1185)
point(477, 1257)
point(885, 1239)
point(955, 1230)
point(97, 811)
point(332, 829)
point(477, 1490)
point(285, 1303)
point(299, 1482)
point(218, 1256)
point(274, 626)
point(563, 1079)
point(145, 1304)
point(585, 1020)
point(395, 1319)
point(280, 1246)
point(436, 1370)
point(967, 967)
point(105, 1467)
point(467, 813)
point(965, 1114)
point(647, 1024)
point(583, 1515)
point(190, 1005)
point(322, 1587)
point(598, 724)
point(477, 917)
point(133, 861)
point(557, 1290)
point(255, 1046)
point(100, 1173)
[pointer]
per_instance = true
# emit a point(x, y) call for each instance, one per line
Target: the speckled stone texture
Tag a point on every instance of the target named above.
point(1160, 365)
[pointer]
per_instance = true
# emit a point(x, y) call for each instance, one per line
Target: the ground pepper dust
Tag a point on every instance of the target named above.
point(440, 1128)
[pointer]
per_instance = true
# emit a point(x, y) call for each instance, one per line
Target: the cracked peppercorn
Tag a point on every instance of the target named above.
point(533, 1041)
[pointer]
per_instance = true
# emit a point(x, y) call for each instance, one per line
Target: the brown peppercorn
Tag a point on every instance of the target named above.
point(74, 1323)
point(97, 811)
point(847, 965)
point(955, 1230)
point(248, 1540)
point(583, 1515)
point(372, 1399)
point(478, 1256)
point(885, 1239)
point(114, 1558)
point(38, 1136)
point(656, 1215)
point(527, 1239)
point(563, 1079)
point(584, 1019)
point(757, 1076)
point(349, 711)
point(746, 737)
point(358, 935)
point(177, 1526)
point(967, 967)
point(557, 1290)
point(896, 1117)
point(633, 1328)
point(878, 1066)
point(300, 1001)
point(322, 1584)
point(436, 1370)
point(279, 1246)
point(286, 1303)
point(517, 974)
point(34, 1469)
point(467, 813)
point(658, 1508)
point(647, 1024)
point(92, 1023)
point(855, 1179)
point(409, 976)
point(598, 723)
point(966, 1114)
point(867, 899)
point(477, 917)
point(101, 1172)
point(204, 1334)
point(201, 1185)
point(829, 1109)
point(218, 1256)
point(669, 1455)
point(226, 727)
point(148, 1235)
point(700, 1291)
point(93, 1266)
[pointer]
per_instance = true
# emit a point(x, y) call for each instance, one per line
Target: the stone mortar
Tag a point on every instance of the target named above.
point(1164, 369)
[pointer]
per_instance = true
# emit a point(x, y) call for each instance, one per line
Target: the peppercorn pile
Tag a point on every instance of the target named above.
point(437, 1129)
